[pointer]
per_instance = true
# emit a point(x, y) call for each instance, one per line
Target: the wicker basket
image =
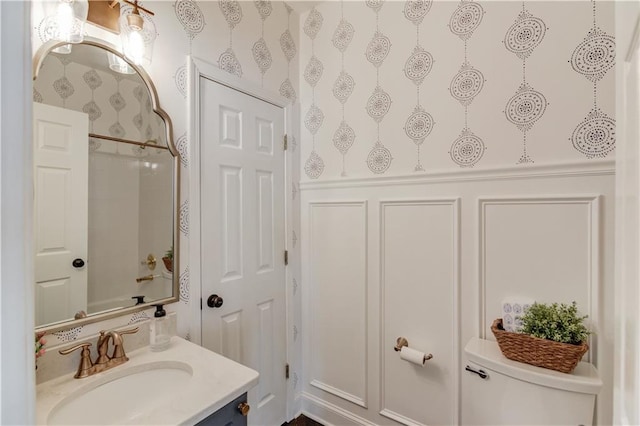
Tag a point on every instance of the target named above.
point(539, 352)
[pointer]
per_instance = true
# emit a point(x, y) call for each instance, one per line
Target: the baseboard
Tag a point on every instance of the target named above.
point(330, 414)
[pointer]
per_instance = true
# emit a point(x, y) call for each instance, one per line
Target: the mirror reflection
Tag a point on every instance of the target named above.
point(103, 188)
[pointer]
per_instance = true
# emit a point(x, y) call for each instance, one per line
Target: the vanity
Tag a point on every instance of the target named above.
point(183, 385)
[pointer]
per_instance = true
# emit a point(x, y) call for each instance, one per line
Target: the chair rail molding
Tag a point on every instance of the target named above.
point(534, 171)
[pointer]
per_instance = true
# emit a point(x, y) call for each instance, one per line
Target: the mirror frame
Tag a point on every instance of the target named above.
point(38, 59)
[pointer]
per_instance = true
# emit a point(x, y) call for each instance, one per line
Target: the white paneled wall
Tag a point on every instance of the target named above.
point(430, 259)
point(338, 260)
point(419, 284)
point(517, 259)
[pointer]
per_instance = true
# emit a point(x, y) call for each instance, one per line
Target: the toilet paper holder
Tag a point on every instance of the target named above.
point(402, 341)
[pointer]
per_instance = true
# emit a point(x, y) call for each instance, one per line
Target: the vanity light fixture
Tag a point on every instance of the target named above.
point(132, 21)
point(70, 17)
point(138, 33)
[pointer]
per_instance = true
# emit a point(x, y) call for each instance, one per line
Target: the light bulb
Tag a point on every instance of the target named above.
point(65, 20)
point(138, 34)
point(70, 16)
point(136, 47)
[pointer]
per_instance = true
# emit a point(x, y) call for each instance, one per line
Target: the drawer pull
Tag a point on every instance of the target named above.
point(244, 408)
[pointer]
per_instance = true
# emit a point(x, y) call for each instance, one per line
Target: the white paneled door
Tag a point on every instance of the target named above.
point(60, 212)
point(243, 239)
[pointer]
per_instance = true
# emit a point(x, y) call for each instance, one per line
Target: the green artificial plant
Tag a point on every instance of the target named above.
point(557, 322)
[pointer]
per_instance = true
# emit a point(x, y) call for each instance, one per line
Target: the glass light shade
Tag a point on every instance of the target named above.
point(65, 49)
point(137, 44)
point(119, 65)
point(70, 17)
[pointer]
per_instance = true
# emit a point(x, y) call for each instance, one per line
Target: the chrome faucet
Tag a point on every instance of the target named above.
point(103, 361)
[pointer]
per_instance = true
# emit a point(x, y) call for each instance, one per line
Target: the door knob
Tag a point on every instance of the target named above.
point(77, 263)
point(244, 408)
point(214, 301)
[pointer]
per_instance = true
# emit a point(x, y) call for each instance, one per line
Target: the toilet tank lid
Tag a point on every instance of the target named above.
point(583, 379)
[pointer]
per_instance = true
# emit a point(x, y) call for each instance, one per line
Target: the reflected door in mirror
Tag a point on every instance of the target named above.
point(61, 212)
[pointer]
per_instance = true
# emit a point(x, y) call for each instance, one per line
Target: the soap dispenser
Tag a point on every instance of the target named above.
point(160, 337)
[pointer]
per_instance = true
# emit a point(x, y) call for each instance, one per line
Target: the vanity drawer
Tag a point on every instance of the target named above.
point(229, 415)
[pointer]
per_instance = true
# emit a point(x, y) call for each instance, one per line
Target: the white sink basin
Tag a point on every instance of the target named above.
point(178, 386)
point(124, 396)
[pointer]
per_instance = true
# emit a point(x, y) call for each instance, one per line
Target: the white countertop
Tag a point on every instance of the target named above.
point(216, 381)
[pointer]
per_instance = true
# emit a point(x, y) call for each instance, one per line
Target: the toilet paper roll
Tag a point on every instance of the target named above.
point(412, 355)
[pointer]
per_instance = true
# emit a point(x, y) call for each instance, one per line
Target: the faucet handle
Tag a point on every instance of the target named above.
point(85, 359)
point(129, 331)
point(118, 344)
point(73, 348)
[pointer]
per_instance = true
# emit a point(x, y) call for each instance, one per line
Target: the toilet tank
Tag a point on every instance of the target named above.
point(513, 393)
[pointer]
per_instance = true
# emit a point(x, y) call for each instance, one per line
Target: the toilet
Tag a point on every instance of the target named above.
point(499, 391)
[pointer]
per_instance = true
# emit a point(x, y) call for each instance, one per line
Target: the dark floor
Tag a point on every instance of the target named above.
point(302, 421)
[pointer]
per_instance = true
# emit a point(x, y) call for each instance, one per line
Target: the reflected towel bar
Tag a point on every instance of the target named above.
point(147, 278)
point(151, 143)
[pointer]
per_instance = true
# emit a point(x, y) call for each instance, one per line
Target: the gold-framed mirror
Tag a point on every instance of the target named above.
point(106, 187)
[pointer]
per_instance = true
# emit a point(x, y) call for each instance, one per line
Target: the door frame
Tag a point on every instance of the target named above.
point(626, 387)
point(17, 317)
point(198, 68)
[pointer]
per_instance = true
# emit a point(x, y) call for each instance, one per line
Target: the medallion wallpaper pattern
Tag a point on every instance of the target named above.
point(468, 82)
point(379, 102)
point(420, 123)
point(314, 117)
point(527, 106)
point(595, 136)
point(448, 85)
point(344, 135)
point(116, 106)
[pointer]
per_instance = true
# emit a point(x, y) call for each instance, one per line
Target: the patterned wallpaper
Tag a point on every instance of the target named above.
point(432, 86)
point(115, 105)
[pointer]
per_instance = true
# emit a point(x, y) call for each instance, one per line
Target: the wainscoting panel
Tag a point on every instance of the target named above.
point(517, 259)
point(338, 340)
point(419, 301)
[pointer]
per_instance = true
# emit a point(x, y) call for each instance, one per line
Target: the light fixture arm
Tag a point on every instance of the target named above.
point(132, 3)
